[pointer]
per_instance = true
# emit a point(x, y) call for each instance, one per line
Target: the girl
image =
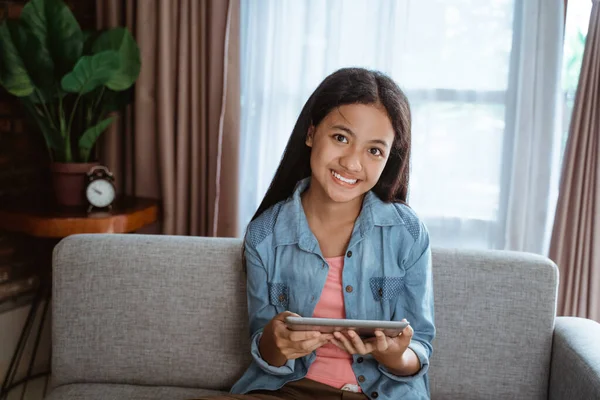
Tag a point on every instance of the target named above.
point(334, 238)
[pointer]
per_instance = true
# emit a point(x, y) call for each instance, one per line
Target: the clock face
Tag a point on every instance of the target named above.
point(100, 193)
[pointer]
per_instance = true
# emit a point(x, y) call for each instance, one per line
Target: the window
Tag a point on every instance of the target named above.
point(578, 15)
point(462, 64)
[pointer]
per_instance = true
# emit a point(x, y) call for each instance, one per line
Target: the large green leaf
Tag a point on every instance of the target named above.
point(55, 26)
point(91, 72)
point(89, 137)
point(36, 58)
point(13, 75)
point(120, 40)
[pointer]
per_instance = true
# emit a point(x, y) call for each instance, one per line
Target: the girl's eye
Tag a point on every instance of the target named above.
point(340, 138)
point(376, 152)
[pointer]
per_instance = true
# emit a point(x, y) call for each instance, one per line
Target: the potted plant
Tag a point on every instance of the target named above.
point(68, 81)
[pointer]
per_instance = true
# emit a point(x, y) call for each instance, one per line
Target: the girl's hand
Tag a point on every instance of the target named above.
point(353, 344)
point(292, 344)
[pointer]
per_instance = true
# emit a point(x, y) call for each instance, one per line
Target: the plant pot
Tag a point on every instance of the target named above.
point(69, 182)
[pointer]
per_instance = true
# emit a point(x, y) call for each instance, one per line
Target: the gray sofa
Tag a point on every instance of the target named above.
point(164, 317)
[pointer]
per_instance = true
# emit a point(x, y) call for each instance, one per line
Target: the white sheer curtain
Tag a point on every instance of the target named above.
point(483, 81)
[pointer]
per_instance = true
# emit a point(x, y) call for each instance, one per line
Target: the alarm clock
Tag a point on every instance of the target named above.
point(100, 191)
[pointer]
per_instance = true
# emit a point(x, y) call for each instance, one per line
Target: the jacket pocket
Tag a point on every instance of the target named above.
point(278, 294)
point(386, 288)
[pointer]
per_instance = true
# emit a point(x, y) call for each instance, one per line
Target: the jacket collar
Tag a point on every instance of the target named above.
point(292, 227)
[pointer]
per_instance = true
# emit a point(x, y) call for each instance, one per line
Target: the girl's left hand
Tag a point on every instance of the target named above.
point(353, 344)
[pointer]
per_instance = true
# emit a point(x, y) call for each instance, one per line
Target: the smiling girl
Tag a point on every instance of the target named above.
point(334, 238)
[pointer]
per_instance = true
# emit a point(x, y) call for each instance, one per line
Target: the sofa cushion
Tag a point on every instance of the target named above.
point(105, 391)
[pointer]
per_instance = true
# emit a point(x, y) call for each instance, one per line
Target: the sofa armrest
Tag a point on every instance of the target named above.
point(575, 367)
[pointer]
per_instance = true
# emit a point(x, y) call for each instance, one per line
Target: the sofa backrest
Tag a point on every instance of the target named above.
point(495, 315)
point(171, 310)
point(149, 309)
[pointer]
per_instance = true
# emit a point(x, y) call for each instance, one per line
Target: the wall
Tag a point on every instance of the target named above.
point(23, 171)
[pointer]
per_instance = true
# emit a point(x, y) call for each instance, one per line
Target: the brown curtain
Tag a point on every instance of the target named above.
point(178, 141)
point(575, 245)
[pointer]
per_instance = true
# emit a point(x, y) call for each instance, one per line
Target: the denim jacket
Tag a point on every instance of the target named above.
point(387, 264)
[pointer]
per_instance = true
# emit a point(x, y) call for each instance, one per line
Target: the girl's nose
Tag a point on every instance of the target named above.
point(351, 162)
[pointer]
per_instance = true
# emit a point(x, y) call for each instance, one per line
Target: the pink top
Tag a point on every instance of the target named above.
point(333, 366)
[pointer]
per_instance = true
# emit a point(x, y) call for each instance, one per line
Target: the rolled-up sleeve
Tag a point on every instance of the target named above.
point(260, 311)
point(416, 304)
point(285, 369)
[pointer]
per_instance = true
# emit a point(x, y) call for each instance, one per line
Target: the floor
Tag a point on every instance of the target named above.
point(11, 324)
point(34, 391)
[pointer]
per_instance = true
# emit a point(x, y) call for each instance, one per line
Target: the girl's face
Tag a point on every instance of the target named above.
point(350, 148)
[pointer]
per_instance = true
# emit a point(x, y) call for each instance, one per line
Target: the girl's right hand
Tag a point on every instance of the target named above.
point(289, 344)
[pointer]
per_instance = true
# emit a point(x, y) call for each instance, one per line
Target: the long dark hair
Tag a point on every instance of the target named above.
point(347, 86)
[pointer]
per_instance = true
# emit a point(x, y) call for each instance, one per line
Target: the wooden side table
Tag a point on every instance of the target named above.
point(43, 220)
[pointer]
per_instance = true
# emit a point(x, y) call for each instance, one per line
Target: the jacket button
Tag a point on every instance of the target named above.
point(374, 395)
point(282, 297)
point(380, 292)
point(359, 360)
point(349, 254)
point(349, 289)
point(361, 378)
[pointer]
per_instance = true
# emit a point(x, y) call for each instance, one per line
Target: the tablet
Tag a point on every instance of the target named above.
point(365, 328)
